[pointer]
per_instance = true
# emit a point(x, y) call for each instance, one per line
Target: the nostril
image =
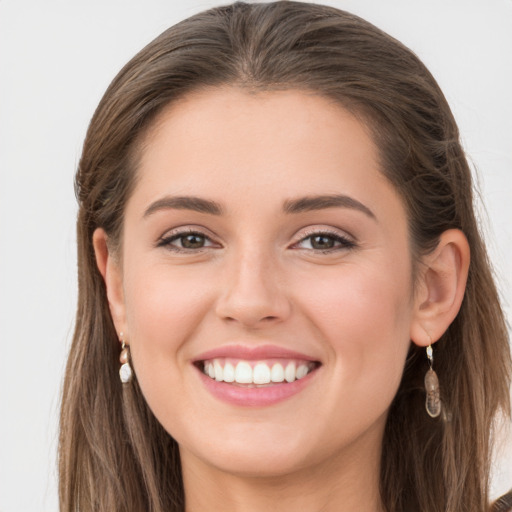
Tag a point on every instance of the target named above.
point(246, 318)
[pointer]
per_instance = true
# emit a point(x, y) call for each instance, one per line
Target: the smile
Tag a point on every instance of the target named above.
point(259, 376)
point(256, 373)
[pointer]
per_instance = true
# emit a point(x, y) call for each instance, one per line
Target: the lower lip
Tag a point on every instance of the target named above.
point(255, 397)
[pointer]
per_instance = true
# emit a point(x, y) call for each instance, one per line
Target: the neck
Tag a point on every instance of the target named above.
point(345, 482)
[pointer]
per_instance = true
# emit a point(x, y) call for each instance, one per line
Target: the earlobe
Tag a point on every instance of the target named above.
point(441, 287)
point(109, 268)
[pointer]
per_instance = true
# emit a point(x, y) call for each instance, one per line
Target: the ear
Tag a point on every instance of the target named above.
point(440, 287)
point(110, 269)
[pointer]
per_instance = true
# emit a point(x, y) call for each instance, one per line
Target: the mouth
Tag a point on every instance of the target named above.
point(256, 373)
point(255, 376)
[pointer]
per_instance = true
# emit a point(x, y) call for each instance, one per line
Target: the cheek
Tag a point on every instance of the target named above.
point(163, 310)
point(162, 299)
point(359, 298)
point(364, 318)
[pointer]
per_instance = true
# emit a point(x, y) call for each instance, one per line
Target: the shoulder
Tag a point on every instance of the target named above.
point(503, 504)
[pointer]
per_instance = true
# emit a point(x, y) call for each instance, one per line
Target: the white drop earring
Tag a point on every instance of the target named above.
point(125, 372)
point(433, 399)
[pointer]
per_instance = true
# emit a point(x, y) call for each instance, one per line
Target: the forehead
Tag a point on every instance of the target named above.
point(221, 141)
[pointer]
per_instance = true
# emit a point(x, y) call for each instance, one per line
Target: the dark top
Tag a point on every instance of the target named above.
point(503, 504)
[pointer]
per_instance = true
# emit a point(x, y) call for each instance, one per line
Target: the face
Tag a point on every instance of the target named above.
point(265, 287)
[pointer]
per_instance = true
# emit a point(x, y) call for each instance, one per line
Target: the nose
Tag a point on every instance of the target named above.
point(253, 293)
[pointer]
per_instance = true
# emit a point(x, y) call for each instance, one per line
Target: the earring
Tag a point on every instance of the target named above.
point(433, 400)
point(125, 372)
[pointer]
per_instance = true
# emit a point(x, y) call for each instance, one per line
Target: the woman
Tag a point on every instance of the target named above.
point(278, 251)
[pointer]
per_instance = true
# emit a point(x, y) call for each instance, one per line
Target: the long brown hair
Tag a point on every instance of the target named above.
point(114, 455)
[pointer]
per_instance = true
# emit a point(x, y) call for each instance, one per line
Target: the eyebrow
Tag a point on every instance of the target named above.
point(196, 204)
point(291, 206)
point(311, 203)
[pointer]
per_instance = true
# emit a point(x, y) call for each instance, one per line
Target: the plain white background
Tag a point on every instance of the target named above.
point(56, 59)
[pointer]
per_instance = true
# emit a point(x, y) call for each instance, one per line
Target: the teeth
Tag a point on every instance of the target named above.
point(243, 373)
point(277, 373)
point(289, 373)
point(219, 372)
point(302, 371)
point(229, 373)
point(259, 373)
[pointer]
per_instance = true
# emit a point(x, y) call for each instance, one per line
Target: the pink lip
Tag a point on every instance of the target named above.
point(256, 396)
point(252, 353)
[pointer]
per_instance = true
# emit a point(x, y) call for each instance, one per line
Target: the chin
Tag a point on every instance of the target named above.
point(258, 463)
point(251, 453)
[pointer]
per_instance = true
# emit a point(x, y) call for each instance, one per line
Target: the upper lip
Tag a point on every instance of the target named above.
point(253, 353)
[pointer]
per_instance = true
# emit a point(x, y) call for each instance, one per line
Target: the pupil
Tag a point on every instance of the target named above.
point(322, 242)
point(192, 241)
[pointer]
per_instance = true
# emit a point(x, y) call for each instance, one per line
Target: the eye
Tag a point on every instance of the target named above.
point(186, 241)
point(325, 242)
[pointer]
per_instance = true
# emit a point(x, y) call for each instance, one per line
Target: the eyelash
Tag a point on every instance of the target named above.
point(166, 241)
point(344, 242)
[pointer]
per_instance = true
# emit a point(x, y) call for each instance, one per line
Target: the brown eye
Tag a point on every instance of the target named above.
point(322, 242)
point(192, 241)
point(188, 241)
point(325, 242)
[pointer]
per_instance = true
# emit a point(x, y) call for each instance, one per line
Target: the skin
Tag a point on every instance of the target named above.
point(259, 280)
